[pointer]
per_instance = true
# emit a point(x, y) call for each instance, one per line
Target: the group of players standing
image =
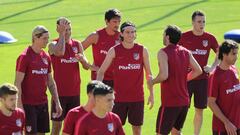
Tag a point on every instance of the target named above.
point(119, 62)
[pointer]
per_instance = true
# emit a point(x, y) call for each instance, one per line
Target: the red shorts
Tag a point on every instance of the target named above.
point(67, 104)
point(37, 118)
point(198, 88)
point(133, 110)
point(170, 117)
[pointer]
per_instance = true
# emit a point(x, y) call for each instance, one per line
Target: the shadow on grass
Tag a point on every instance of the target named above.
point(29, 10)
point(170, 14)
point(100, 13)
point(17, 2)
point(190, 25)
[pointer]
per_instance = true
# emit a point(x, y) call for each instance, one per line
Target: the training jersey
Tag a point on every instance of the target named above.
point(100, 49)
point(174, 90)
point(128, 73)
point(66, 70)
point(36, 67)
point(71, 119)
point(224, 86)
point(200, 47)
point(14, 124)
point(90, 124)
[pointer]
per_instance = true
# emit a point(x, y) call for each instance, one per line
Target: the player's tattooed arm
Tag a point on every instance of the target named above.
point(58, 48)
point(53, 90)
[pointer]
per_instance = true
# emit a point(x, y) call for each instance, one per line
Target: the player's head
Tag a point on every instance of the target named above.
point(104, 97)
point(198, 21)
point(67, 22)
point(113, 19)
point(40, 36)
point(171, 35)
point(91, 85)
point(228, 52)
point(128, 32)
point(8, 96)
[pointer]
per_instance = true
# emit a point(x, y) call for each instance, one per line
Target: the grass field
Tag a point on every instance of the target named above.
point(151, 16)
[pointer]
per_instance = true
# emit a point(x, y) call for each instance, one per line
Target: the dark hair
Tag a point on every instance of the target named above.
point(112, 13)
point(8, 89)
point(124, 25)
point(226, 47)
point(91, 85)
point(197, 13)
point(174, 33)
point(102, 89)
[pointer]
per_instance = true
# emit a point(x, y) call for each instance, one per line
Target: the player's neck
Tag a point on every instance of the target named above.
point(128, 45)
point(5, 111)
point(99, 112)
point(224, 66)
point(197, 33)
point(88, 107)
point(36, 48)
point(110, 32)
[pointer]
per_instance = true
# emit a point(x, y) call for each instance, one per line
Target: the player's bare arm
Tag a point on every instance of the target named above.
point(90, 40)
point(106, 63)
point(58, 48)
point(230, 128)
point(18, 83)
point(163, 68)
point(216, 62)
point(149, 78)
point(53, 90)
point(82, 58)
point(196, 69)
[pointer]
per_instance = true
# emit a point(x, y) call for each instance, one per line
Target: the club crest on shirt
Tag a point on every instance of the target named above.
point(205, 43)
point(19, 122)
point(136, 56)
point(75, 49)
point(28, 128)
point(110, 127)
point(45, 61)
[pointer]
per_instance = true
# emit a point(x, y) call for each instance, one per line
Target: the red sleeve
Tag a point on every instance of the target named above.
point(214, 44)
point(22, 63)
point(120, 130)
point(213, 86)
point(69, 123)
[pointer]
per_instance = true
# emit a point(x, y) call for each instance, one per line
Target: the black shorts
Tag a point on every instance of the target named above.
point(67, 103)
point(224, 133)
point(199, 89)
point(108, 82)
point(37, 118)
point(170, 117)
point(133, 110)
